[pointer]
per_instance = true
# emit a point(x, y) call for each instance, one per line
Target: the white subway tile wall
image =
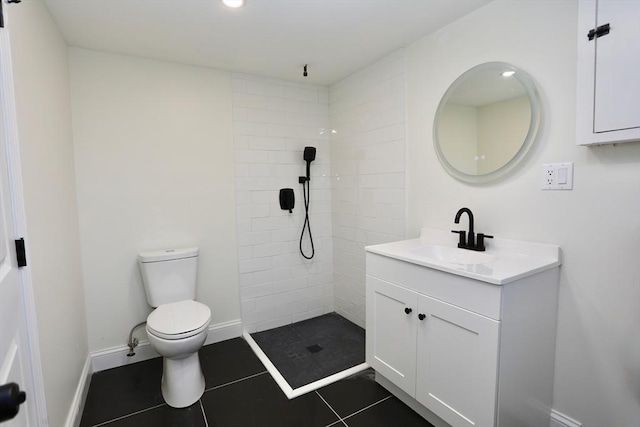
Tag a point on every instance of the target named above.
point(273, 121)
point(367, 117)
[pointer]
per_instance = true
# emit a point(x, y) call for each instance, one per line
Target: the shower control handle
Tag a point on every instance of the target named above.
point(422, 316)
point(407, 310)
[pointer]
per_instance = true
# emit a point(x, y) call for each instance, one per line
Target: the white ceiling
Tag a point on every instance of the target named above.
point(273, 38)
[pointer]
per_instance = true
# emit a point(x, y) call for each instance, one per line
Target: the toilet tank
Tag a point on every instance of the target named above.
point(169, 275)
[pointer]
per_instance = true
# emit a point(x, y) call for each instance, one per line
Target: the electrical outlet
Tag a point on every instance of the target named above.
point(557, 176)
point(549, 175)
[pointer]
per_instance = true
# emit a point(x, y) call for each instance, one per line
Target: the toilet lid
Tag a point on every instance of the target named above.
point(178, 318)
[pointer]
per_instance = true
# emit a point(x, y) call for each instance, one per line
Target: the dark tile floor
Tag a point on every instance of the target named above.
point(306, 351)
point(239, 393)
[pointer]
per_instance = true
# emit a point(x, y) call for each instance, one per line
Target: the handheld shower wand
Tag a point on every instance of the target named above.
point(309, 156)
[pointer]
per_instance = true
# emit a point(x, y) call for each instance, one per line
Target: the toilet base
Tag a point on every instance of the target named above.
point(182, 381)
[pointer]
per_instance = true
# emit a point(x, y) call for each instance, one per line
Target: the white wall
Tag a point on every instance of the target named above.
point(154, 169)
point(368, 165)
point(273, 121)
point(597, 375)
point(43, 102)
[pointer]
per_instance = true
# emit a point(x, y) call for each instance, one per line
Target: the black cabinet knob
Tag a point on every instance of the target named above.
point(10, 399)
point(422, 316)
point(407, 310)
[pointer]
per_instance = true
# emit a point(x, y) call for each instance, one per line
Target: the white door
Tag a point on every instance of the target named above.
point(15, 365)
point(391, 332)
point(457, 363)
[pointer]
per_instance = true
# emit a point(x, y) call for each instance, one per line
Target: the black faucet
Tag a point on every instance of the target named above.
point(469, 241)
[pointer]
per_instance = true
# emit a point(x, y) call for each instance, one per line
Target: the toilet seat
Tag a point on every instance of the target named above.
point(179, 320)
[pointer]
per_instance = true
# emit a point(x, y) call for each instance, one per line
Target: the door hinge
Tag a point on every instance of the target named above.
point(600, 31)
point(21, 254)
point(2, 14)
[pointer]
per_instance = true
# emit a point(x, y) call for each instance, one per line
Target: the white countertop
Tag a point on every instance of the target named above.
point(503, 261)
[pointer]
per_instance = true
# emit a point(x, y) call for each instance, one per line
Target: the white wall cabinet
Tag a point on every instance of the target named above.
point(470, 353)
point(608, 91)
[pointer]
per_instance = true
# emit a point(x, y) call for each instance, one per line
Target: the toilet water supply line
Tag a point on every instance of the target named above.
point(133, 342)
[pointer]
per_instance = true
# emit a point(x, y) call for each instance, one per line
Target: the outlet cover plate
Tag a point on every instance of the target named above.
point(557, 176)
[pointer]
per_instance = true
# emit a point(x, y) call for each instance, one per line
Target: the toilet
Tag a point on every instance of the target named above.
point(178, 326)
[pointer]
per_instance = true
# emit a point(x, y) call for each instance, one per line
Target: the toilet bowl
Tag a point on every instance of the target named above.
point(177, 331)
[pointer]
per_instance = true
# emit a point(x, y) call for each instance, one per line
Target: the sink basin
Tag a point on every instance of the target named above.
point(452, 255)
point(503, 262)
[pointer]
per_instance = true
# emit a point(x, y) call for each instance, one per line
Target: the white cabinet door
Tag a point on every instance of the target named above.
point(617, 67)
point(391, 332)
point(608, 92)
point(457, 363)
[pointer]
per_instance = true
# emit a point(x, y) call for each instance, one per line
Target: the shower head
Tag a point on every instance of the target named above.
point(309, 154)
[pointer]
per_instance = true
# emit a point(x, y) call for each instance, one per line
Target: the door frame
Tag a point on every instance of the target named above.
point(11, 139)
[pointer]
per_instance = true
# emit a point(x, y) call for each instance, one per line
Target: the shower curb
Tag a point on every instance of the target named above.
point(284, 385)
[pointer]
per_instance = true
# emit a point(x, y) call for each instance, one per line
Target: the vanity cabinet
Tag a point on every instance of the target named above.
point(460, 350)
point(608, 86)
point(443, 355)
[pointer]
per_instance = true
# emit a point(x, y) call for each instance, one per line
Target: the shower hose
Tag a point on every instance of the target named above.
point(306, 191)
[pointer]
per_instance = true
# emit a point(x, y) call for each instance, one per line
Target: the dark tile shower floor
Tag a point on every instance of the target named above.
point(313, 349)
point(239, 393)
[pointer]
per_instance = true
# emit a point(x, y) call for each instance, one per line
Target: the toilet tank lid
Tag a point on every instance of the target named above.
point(168, 254)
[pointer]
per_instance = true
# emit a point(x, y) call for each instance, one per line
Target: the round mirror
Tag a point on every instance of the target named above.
point(486, 122)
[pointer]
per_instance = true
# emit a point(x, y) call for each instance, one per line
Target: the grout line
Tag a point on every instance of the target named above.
point(206, 423)
point(332, 410)
point(367, 407)
point(335, 423)
point(104, 423)
point(127, 416)
point(236, 381)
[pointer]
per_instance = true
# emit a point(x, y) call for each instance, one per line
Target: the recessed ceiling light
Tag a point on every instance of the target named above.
point(508, 73)
point(233, 3)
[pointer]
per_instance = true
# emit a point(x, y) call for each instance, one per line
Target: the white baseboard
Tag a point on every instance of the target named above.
point(79, 398)
point(560, 420)
point(224, 331)
point(115, 357)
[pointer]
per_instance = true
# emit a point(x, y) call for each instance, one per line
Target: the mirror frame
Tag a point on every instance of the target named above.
point(534, 101)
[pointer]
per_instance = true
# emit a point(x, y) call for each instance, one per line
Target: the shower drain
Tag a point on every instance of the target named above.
point(314, 348)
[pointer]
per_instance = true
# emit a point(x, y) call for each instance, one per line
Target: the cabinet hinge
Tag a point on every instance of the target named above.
point(600, 31)
point(2, 14)
point(21, 254)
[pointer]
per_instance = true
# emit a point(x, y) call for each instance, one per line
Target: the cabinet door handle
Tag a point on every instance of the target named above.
point(600, 31)
point(407, 310)
point(422, 316)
